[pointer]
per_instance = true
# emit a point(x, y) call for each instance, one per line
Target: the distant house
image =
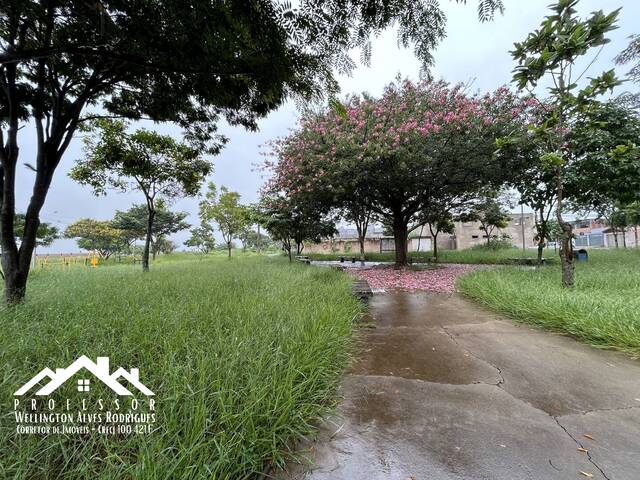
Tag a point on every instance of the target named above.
point(469, 234)
point(521, 230)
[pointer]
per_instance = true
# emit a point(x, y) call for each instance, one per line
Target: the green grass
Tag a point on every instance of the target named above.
point(603, 309)
point(243, 356)
point(503, 256)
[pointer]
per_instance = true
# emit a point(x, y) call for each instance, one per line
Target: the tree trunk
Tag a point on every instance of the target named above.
point(624, 237)
point(435, 246)
point(615, 238)
point(566, 247)
point(229, 248)
point(542, 234)
point(635, 234)
point(362, 231)
point(147, 238)
point(361, 241)
point(400, 235)
point(16, 262)
point(287, 246)
point(15, 285)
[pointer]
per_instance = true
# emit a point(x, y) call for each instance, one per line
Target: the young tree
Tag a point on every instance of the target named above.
point(489, 212)
point(361, 215)
point(202, 238)
point(189, 62)
point(163, 245)
point(292, 224)
point(633, 219)
point(618, 222)
point(552, 51)
point(254, 240)
point(536, 186)
point(133, 223)
point(224, 209)
point(154, 164)
point(96, 235)
point(536, 181)
point(440, 220)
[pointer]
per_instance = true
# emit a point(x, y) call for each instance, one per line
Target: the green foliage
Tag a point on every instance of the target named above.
point(252, 240)
point(601, 310)
point(97, 235)
point(191, 62)
point(632, 212)
point(133, 222)
point(488, 210)
point(226, 211)
point(606, 169)
point(290, 224)
point(629, 55)
point(551, 52)
point(562, 38)
point(238, 377)
point(155, 164)
point(202, 238)
point(163, 245)
point(46, 233)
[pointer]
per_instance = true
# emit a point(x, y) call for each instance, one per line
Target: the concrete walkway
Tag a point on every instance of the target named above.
point(444, 390)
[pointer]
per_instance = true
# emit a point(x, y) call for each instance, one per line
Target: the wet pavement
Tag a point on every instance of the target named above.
point(442, 389)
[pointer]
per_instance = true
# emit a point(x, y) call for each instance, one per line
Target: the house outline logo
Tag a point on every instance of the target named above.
point(99, 369)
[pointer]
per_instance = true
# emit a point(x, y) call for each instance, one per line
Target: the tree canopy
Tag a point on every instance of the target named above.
point(190, 62)
point(133, 223)
point(403, 151)
point(156, 165)
point(96, 235)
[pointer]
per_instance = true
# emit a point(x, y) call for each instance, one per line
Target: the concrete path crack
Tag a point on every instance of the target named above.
point(581, 446)
point(497, 368)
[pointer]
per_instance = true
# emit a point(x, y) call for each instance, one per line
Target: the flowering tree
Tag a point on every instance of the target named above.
point(399, 153)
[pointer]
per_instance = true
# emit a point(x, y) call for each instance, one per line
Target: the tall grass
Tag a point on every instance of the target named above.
point(603, 309)
point(242, 355)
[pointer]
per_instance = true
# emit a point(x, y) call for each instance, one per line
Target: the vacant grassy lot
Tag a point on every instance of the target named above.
point(481, 255)
point(242, 355)
point(603, 309)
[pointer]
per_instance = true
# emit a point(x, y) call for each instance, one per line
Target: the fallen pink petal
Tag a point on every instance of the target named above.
point(441, 279)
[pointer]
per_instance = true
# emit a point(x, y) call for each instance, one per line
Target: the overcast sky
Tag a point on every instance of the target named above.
point(471, 52)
